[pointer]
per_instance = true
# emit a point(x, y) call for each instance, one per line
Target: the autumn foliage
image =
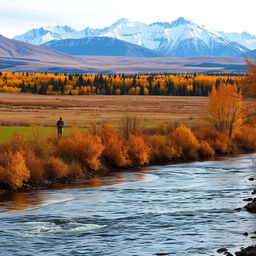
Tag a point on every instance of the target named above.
point(42, 160)
point(115, 84)
point(217, 141)
point(186, 140)
point(138, 150)
point(246, 139)
point(13, 170)
point(55, 168)
point(249, 82)
point(84, 148)
point(163, 148)
point(226, 109)
point(81, 153)
point(115, 151)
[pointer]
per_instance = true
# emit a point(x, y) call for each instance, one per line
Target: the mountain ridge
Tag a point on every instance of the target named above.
point(181, 37)
point(18, 56)
point(100, 46)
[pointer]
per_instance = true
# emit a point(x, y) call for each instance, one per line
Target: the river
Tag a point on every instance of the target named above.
point(181, 209)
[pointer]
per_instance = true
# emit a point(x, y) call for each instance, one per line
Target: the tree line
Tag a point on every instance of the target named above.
point(116, 84)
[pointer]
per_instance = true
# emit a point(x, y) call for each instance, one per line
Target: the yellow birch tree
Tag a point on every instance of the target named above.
point(225, 109)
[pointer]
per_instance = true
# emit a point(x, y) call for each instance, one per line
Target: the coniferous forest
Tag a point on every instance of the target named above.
point(116, 84)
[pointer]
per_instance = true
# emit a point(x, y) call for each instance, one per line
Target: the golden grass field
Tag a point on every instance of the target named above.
point(81, 111)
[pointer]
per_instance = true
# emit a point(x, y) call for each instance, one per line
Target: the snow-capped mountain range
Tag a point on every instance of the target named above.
point(181, 38)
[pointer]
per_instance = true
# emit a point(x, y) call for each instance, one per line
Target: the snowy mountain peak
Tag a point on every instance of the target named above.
point(248, 35)
point(246, 39)
point(122, 21)
point(60, 29)
point(161, 24)
point(180, 37)
point(180, 21)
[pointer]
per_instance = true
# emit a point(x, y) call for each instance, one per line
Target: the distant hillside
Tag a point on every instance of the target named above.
point(16, 49)
point(250, 54)
point(100, 46)
point(17, 56)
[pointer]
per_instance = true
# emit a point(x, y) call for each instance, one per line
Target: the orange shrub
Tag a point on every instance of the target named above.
point(35, 166)
point(217, 140)
point(40, 144)
point(114, 152)
point(75, 170)
point(13, 171)
point(85, 148)
point(2, 176)
point(55, 168)
point(185, 139)
point(162, 148)
point(205, 150)
point(138, 150)
point(246, 139)
point(17, 143)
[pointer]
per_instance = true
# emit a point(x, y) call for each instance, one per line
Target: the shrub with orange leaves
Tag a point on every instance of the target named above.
point(217, 140)
point(163, 148)
point(249, 81)
point(55, 168)
point(246, 139)
point(2, 176)
point(185, 139)
point(85, 148)
point(114, 152)
point(40, 144)
point(13, 171)
point(138, 150)
point(17, 142)
point(205, 150)
point(75, 170)
point(35, 166)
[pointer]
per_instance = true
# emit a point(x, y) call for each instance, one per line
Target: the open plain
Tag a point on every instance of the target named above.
point(81, 111)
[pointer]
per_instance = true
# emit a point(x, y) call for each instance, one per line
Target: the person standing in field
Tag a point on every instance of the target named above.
point(60, 126)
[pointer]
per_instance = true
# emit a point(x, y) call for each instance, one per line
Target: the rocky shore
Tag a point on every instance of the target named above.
point(250, 207)
point(250, 250)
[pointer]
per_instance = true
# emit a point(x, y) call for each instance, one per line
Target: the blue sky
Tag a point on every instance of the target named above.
point(18, 16)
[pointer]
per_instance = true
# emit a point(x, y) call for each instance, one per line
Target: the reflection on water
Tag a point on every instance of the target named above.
point(20, 201)
point(24, 200)
point(108, 179)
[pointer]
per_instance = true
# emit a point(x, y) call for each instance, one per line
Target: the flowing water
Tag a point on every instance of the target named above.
point(182, 209)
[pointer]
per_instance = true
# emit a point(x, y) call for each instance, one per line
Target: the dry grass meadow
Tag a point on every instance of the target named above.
point(82, 111)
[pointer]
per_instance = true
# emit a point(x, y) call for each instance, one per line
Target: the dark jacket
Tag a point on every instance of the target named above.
point(60, 124)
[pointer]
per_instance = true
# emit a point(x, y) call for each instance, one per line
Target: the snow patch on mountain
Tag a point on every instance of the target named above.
point(245, 39)
point(178, 38)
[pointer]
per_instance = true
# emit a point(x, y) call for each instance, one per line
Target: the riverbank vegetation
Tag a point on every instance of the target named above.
point(47, 160)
